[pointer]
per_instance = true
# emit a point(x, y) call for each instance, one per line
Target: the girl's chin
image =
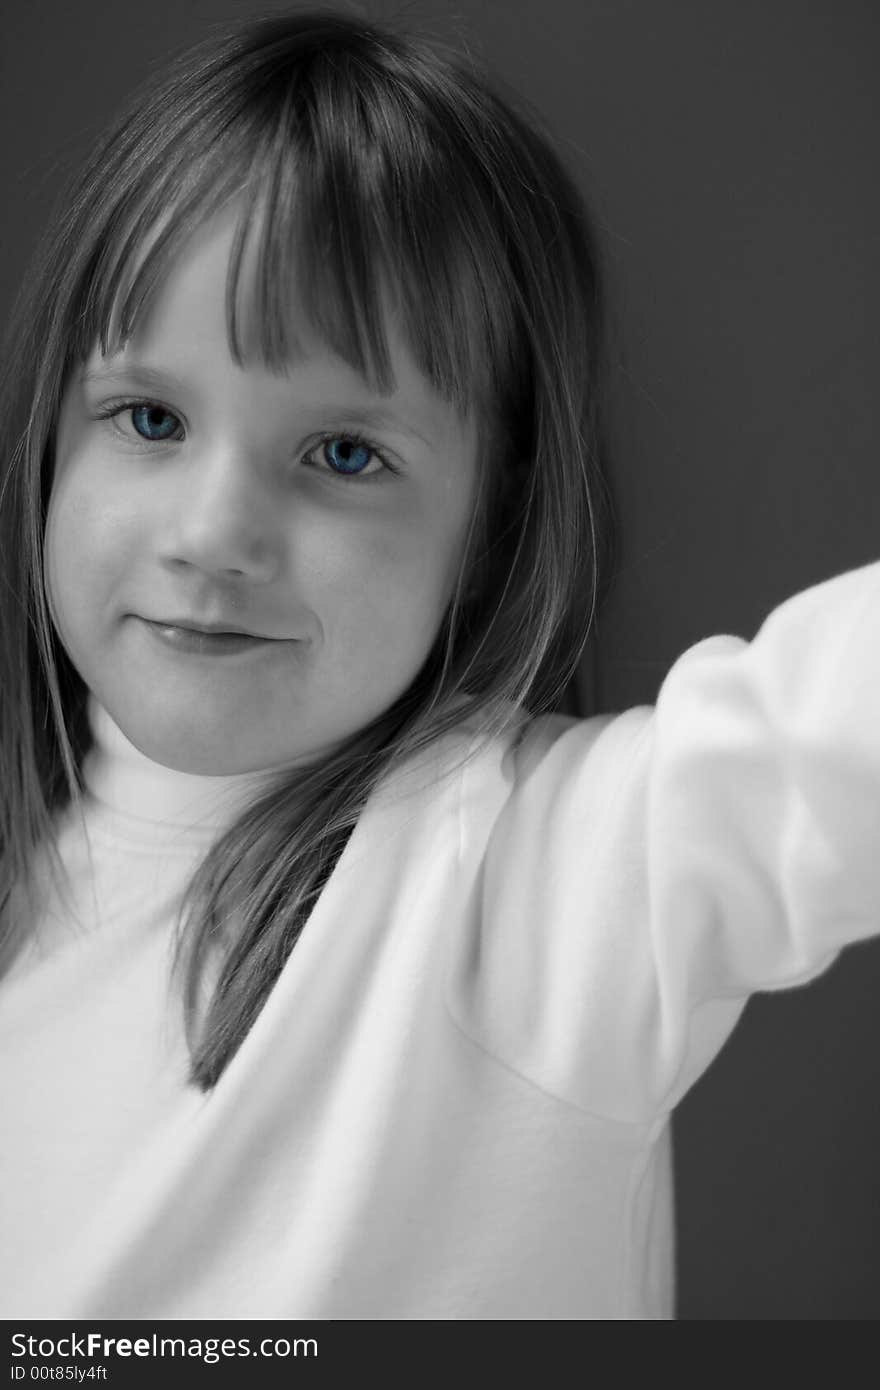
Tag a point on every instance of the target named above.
point(183, 745)
point(189, 752)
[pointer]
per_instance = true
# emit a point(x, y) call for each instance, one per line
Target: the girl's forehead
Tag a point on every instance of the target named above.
point(186, 322)
point(191, 299)
point(180, 350)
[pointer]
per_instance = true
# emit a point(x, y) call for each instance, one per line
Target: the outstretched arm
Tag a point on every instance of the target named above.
point(652, 870)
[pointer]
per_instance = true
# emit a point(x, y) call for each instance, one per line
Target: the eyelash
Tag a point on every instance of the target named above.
point(111, 412)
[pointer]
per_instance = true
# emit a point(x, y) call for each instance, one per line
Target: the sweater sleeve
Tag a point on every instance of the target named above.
point(650, 871)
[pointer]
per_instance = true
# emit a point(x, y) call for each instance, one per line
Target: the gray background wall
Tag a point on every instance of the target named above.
point(729, 151)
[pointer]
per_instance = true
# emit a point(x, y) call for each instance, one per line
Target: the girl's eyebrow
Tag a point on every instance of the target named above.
point(150, 379)
point(131, 372)
point(376, 418)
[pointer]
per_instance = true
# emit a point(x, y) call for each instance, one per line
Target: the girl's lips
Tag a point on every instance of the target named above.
point(198, 642)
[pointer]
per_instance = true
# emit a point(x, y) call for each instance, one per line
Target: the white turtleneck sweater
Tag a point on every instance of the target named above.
point(455, 1103)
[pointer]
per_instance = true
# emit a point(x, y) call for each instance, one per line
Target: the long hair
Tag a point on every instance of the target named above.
point(374, 160)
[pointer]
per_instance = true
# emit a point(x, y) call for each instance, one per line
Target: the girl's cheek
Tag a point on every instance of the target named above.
point(62, 573)
point(86, 531)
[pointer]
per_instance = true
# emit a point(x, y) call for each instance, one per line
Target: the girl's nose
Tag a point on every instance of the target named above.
point(220, 521)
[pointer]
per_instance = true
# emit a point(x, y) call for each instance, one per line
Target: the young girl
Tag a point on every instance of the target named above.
point(341, 979)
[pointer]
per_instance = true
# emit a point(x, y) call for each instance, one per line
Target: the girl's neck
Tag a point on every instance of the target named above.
point(125, 781)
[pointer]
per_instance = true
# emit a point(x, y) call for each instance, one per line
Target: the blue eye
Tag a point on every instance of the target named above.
point(154, 421)
point(347, 455)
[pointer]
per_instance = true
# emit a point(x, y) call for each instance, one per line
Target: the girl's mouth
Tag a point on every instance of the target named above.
point(201, 642)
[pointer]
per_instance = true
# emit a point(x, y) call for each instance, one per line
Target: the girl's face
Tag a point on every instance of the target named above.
point(246, 566)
